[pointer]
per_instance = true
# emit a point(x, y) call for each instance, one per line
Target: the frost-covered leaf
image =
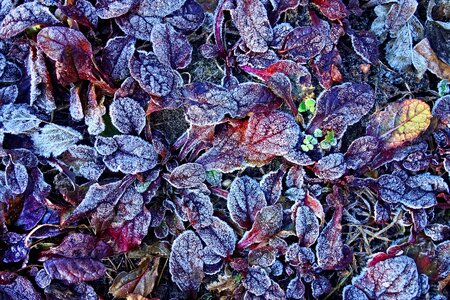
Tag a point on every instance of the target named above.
point(16, 177)
point(154, 77)
point(127, 115)
point(116, 55)
point(399, 13)
point(187, 176)
point(351, 292)
point(295, 288)
point(332, 9)
point(78, 245)
point(268, 221)
point(8, 95)
point(391, 188)
point(306, 226)
point(24, 16)
point(272, 185)
point(331, 167)
point(342, 106)
point(361, 152)
point(220, 236)
point(400, 122)
point(76, 107)
point(170, 47)
point(18, 118)
point(198, 208)
point(271, 134)
point(254, 97)
point(207, 103)
point(41, 89)
point(52, 139)
point(132, 155)
point(107, 9)
point(245, 200)
point(188, 18)
point(83, 12)
point(263, 257)
point(71, 51)
point(257, 281)
point(429, 60)
point(13, 286)
point(95, 111)
point(303, 43)
point(394, 278)
point(250, 18)
point(186, 264)
point(332, 253)
point(74, 270)
point(365, 45)
point(441, 109)
point(85, 161)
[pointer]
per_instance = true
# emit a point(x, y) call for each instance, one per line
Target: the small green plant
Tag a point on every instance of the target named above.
point(329, 140)
point(307, 104)
point(443, 88)
point(308, 143)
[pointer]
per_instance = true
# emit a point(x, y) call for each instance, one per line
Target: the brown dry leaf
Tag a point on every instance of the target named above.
point(435, 65)
point(225, 282)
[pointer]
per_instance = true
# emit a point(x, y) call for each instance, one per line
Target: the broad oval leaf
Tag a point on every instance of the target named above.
point(220, 236)
point(244, 201)
point(24, 16)
point(74, 270)
point(341, 106)
point(400, 122)
point(16, 177)
point(198, 208)
point(331, 167)
point(361, 152)
point(187, 175)
point(116, 54)
point(306, 226)
point(52, 139)
point(127, 115)
point(394, 278)
point(170, 47)
point(186, 264)
point(303, 43)
point(108, 9)
point(257, 281)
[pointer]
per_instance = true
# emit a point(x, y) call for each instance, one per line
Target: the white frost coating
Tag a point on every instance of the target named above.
point(198, 208)
point(17, 118)
point(16, 178)
point(220, 236)
point(185, 262)
point(391, 279)
point(116, 55)
point(244, 200)
point(54, 139)
point(127, 115)
point(108, 9)
point(187, 175)
point(75, 108)
point(257, 281)
point(133, 155)
point(306, 226)
point(24, 16)
point(331, 167)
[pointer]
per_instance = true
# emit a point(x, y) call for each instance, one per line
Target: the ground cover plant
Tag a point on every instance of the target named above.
point(231, 149)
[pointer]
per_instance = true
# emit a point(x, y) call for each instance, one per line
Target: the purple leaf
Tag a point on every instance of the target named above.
point(320, 286)
point(133, 155)
point(342, 106)
point(244, 201)
point(52, 139)
point(268, 222)
point(272, 185)
point(254, 97)
point(331, 167)
point(257, 281)
point(108, 9)
point(220, 236)
point(198, 208)
point(188, 18)
point(170, 47)
point(17, 287)
point(393, 278)
point(83, 12)
point(365, 45)
point(391, 188)
point(32, 212)
point(16, 177)
point(84, 161)
point(295, 289)
point(303, 43)
point(306, 225)
point(353, 293)
point(24, 16)
point(74, 270)
point(153, 76)
point(187, 175)
point(116, 54)
point(138, 23)
point(361, 152)
point(127, 115)
point(186, 264)
point(250, 18)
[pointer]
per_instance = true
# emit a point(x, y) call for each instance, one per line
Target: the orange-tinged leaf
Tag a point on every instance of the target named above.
point(400, 122)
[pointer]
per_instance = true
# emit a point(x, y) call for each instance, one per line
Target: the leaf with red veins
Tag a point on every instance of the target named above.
point(331, 167)
point(303, 43)
point(128, 235)
point(71, 51)
point(188, 175)
point(186, 264)
point(270, 134)
point(244, 201)
point(250, 18)
point(361, 152)
point(83, 12)
point(394, 278)
point(228, 151)
point(268, 222)
point(332, 9)
point(24, 16)
point(254, 97)
point(138, 24)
